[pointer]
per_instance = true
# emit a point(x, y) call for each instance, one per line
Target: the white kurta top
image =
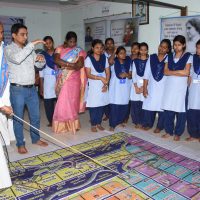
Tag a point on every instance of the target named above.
point(49, 77)
point(194, 91)
point(139, 81)
point(95, 97)
point(155, 90)
point(175, 92)
point(5, 180)
point(119, 93)
point(6, 124)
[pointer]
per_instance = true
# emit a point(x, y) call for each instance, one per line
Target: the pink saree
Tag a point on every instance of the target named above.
point(70, 99)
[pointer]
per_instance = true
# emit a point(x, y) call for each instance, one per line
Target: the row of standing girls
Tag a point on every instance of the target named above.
point(145, 86)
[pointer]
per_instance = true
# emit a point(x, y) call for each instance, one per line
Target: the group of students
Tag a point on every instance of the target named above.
point(164, 83)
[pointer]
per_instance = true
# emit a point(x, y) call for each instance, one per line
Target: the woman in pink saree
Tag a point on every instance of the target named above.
point(70, 86)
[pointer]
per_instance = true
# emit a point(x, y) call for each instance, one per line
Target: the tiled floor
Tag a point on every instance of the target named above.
point(189, 149)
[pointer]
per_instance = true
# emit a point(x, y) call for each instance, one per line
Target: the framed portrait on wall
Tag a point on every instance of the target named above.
point(141, 10)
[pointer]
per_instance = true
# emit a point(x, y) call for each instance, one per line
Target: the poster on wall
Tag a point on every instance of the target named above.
point(124, 31)
point(94, 30)
point(8, 21)
point(188, 26)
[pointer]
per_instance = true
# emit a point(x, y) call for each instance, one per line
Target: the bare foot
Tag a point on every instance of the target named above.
point(146, 128)
point(176, 138)
point(100, 127)
point(157, 130)
point(41, 143)
point(166, 135)
point(22, 150)
point(93, 129)
point(138, 126)
point(105, 118)
point(112, 129)
point(49, 125)
point(122, 125)
point(190, 139)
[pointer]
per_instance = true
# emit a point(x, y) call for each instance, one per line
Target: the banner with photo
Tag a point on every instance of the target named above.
point(8, 21)
point(188, 26)
point(124, 31)
point(94, 30)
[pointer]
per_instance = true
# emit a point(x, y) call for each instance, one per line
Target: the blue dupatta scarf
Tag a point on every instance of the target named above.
point(196, 64)
point(157, 67)
point(3, 74)
point(120, 68)
point(49, 59)
point(140, 66)
point(100, 64)
point(180, 65)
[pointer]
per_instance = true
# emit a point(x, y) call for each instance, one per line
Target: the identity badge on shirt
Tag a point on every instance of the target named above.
point(141, 81)
point(196, 81)
point(122, 81)
point(101, 75)
point(53, 72)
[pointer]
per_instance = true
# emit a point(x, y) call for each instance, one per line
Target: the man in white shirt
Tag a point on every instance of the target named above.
point(22, 59)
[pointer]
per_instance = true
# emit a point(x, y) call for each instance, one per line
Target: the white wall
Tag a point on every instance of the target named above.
point(57, 22)
point(40, 22)
point(72, 19)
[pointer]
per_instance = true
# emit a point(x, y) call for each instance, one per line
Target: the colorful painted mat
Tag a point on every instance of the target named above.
point(154, 173)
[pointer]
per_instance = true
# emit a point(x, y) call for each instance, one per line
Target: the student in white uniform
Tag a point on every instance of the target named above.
point(5, 110)
point(153, 87)
point(109, 47)
point(98, 73)
point(193, 112)
point(48, 79)
point(135, 48)
point(119, 88)
point(177, 71)
point(109, 50)
point(136, 96)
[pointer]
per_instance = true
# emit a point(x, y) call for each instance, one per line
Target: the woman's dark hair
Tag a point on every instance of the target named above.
point(135, 44)
point(109, 39)
point(181, 39)
point(70, 35)
point(198, 43)
point(15, 28)
point(195, 22)
point(144, 44)
point(48, 38)
point(94, 43)
point(120, 48)
point(168, 42)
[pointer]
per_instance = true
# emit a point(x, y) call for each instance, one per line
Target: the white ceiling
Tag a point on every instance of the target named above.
point(59, 2)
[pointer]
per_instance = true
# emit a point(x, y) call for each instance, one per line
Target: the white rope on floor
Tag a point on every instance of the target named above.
point(122, 176)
